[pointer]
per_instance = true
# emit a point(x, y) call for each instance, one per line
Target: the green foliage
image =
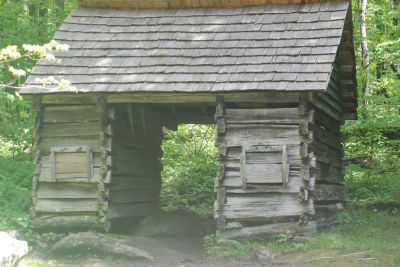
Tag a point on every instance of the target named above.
point(372, 142)
point(23, 22)
point(189, 168)
point(220, 249)
point(15, 195)
point(379, 181)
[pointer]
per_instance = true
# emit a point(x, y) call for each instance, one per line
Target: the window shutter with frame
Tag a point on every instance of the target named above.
point(70, 163)
point(264, 165)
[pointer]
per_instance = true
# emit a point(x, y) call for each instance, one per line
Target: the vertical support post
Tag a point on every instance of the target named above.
point(222, 150)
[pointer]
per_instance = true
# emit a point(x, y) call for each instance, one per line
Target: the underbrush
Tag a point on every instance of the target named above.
point(15, 195)
point(380, 181)
point(189, 168)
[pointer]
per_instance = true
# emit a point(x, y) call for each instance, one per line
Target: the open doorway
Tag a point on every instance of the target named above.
point(163, 167)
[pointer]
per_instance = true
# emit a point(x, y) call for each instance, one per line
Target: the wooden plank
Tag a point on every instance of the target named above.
point(263, 158)
point(265, 206)
point(253, 132)
point(46, 143)
point(171, 97)
point(326, 108)
point(46, 176)
point(67, 190)
point(270, 116)
point(68, 157)
point(269, 231)
point(64, 223)
point(263, 173)
point(63, 99)
point(66, 205)
point(70, 129)
point(76, 113)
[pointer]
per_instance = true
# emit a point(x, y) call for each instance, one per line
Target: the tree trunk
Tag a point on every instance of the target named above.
point(362, 11)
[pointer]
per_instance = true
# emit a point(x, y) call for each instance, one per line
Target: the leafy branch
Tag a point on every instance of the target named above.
point(11, 56)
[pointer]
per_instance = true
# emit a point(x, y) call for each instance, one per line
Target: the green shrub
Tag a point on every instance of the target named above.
point(15, 193)
point(379, 181)
point(189, 168)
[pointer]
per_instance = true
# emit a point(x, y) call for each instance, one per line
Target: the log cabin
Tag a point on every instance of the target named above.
point(277, 77)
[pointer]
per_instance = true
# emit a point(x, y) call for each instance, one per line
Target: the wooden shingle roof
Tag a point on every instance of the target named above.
point(276, 48)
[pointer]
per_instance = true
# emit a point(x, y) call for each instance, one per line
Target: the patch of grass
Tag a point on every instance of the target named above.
point(373, 232)
point(220, 249)
point(40, 263)
point(377, 234)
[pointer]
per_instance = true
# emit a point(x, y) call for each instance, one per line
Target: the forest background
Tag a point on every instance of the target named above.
point(372, 142)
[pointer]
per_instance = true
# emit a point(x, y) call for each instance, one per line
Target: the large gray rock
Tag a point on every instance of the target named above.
point(179, 223)
point(11, 249)
point(104, 244)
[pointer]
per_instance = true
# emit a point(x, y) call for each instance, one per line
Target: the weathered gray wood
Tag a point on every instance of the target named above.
point(47, 176)
point(268, 231)
point(74, 113)
point(66, 205)
point(170, 97)
point(46, 143)
point(323, 106)
point(65, 99)
point(262, 116)
point(70, 129)
point(64, 223)
point(67, 190)
point(265, 206)
point(264, 174)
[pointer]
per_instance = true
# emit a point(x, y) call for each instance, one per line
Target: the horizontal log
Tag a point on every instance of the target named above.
point(46, 143)
point(268, 231)
point(74, 113)
point(169, 98)
point(267, 116)
point(65, 99)
point(47, 176)
point(232, 178)
point(69, 157)
point(60, 223)
point(265, 206)
point(70, 129)
point(325, 107)
point(67, 190)
point(66, 205)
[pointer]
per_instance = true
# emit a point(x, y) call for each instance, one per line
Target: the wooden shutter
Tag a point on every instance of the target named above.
point(69, 163)
point(264, 164)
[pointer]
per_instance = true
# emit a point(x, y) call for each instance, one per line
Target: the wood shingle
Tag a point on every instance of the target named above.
point(269, 48)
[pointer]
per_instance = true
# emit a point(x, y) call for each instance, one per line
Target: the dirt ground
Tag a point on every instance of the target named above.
point(167, 252)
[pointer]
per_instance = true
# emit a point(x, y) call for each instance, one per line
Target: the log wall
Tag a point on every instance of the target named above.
point(326, 116)
point(264, 136)
point(68, 156)
point(136, 166)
